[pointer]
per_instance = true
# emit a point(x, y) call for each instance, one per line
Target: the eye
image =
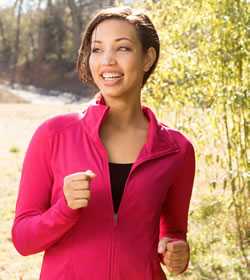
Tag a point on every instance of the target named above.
point(124, 49)
point(96, 50)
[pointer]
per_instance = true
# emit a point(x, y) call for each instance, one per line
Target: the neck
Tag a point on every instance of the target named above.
point(124, 114)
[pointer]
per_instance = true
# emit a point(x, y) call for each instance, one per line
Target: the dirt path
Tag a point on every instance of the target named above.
point(17, 124)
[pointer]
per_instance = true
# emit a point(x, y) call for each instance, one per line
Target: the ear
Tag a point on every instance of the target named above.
point(150, 58)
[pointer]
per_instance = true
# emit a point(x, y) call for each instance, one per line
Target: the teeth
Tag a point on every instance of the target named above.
point(108, 76)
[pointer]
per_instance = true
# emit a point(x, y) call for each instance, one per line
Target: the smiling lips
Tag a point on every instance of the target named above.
point(109, 76)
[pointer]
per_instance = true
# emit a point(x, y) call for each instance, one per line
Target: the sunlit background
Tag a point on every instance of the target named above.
point(200, 87)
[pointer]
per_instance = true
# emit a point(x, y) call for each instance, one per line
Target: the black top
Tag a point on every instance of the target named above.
point(118, 176)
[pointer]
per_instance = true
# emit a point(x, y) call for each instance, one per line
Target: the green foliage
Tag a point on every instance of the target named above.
point(201, 86)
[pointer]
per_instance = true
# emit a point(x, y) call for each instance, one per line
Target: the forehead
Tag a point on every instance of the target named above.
point(114, 28)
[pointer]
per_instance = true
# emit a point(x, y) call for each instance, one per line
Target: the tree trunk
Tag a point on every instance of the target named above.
point(43, 37)
point(5, 49)
point(2, 33)
point(17, 40)
point(77, 23)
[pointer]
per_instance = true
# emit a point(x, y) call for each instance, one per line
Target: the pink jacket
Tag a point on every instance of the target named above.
point(92, 243)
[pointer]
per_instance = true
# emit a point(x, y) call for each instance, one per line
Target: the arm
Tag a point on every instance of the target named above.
point(37, 224)
point(174, 217)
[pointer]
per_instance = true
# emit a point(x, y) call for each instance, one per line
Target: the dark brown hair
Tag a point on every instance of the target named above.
point(145, 29)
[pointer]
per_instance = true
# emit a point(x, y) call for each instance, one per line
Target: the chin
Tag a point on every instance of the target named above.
point(112, 92)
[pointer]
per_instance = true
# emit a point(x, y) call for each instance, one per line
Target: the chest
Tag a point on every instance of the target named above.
point(146, 186)
point(125, 146)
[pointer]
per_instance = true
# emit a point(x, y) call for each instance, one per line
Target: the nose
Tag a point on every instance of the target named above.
point(108, 58)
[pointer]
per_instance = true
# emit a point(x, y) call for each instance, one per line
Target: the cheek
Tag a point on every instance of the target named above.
point(135, 67)
point(92, 65)
point(135, 64)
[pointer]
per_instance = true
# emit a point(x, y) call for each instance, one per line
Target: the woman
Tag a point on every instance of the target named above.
point(105, 193)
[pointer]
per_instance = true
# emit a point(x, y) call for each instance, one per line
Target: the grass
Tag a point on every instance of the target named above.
point(14, 150)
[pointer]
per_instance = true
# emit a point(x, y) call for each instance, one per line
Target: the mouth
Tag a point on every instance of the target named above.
point(111, 76)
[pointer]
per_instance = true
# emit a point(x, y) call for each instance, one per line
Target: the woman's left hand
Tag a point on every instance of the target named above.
point(175, 254)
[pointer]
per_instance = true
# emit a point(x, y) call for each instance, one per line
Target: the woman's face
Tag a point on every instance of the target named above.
point(117, 62)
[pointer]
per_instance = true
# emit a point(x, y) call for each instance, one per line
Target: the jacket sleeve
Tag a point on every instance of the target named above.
point(37, 224)
point(174, 216)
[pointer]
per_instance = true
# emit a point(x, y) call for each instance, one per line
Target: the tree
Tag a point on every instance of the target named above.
point(201, 84)
point(76, 23)
point(17, 40)
point(5, 52)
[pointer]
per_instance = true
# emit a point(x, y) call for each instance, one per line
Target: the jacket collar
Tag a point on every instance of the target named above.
point(159, 138)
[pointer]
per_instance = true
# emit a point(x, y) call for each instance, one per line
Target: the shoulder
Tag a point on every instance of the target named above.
point(181, 140)
point(167, 137)
point(58, 124)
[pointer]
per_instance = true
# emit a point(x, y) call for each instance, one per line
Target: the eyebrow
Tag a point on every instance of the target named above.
point(117, 40)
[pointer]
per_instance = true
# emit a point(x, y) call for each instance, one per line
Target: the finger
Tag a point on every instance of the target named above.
point(82, 178)
point(90, 174)
point(81, 194)
point(170, 266)
point(176, 269)
point(80, 185)
point(176, 256)
point(162, 245)
point(174, 265)
point(84, 175)
point(78, 203)
point(82, 202)
point(177, 246)
point(176, 261)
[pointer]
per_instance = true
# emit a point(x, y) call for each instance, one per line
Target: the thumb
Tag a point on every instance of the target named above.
point(162, 245)
point(90, 174)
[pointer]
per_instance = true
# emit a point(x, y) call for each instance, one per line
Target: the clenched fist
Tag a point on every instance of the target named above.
point(175, 254)
point(76, 189)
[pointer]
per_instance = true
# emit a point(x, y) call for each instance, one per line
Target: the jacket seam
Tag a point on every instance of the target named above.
point(53, 131)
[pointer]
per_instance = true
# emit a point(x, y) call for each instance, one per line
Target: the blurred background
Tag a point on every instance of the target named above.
point(40, 40)
point(201, 87)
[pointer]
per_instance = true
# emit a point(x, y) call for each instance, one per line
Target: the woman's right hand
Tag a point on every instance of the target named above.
point(76, 189)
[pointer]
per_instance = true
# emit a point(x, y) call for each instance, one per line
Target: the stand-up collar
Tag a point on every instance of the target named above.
point(159, 138)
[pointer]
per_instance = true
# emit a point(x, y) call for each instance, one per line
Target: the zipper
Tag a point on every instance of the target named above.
point(111, 258)
point(110, 192)
point(134, 166)
point(116, 216)
point(106, 166)
point(108, 184)
point(137, 163)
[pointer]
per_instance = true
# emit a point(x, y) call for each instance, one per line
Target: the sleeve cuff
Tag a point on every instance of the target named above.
point(66, 211)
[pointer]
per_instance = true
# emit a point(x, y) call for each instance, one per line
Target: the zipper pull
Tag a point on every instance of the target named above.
point(115, 218)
